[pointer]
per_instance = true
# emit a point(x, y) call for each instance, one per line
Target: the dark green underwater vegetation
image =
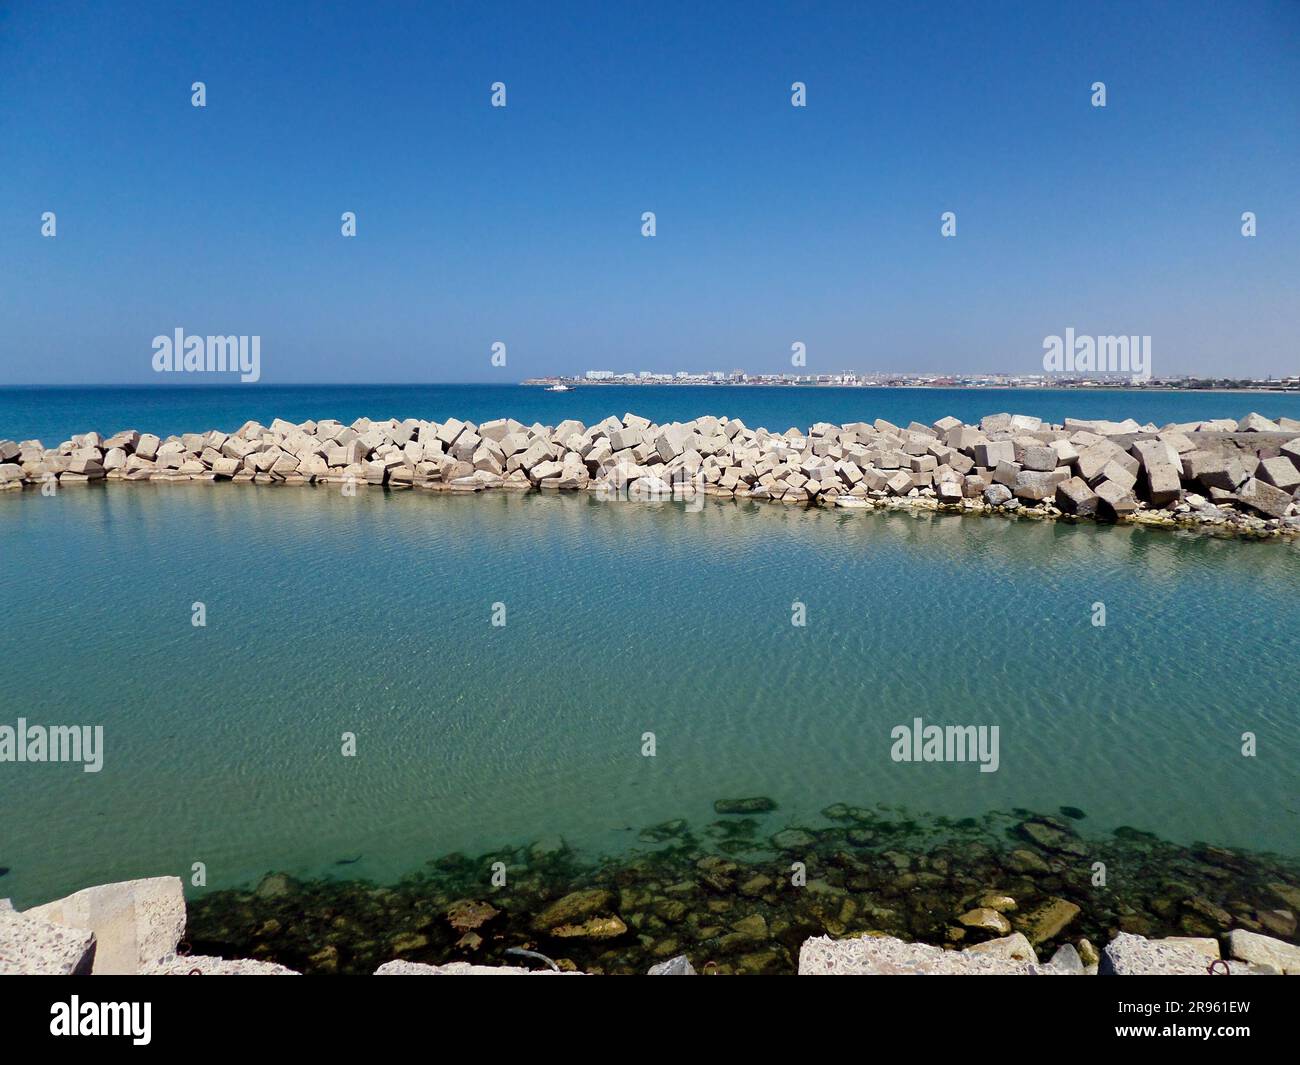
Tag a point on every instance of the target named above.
point(724, 895)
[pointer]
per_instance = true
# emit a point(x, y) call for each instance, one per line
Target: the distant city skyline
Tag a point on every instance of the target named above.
point(500, 243)
point(877, 378)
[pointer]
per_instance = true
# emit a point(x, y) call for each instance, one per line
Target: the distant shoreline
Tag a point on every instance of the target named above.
point(270, 386)
point(572, 384)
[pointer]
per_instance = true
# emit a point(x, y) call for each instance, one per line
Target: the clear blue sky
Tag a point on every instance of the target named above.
point(522, 224)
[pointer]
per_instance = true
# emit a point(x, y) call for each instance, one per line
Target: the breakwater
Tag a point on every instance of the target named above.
point(1239, 476)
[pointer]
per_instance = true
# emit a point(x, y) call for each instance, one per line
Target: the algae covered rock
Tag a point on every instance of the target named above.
point(573, 909)
point(1048, 920)
point(759, 804)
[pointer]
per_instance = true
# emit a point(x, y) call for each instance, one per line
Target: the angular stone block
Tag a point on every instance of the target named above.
point(992, 452)
point(204, 965)
point(900, 484)
point(1264, 498)
point(885, 956)
point(30, 946)
point(1074, 496)
point(1034, 485)
point(135, 922)
point(1164, 484)
point(1039, 458)
point(1115, 500)
point(1264, 950)
point(1280, 472)
point(1130, 955)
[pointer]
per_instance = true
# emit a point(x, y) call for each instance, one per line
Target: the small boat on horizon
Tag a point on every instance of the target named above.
point(559, 388)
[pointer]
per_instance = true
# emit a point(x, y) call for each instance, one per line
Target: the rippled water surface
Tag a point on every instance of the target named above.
point(372, 615)
point(54, 414)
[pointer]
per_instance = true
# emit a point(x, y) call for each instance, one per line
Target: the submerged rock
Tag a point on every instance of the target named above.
point(407, 942)
point(1024, 861)
point(465, 915)
point(548, 848)
point(986, 920)
point(572, 908)
point(1052, 837)
point(906, 877)
point(592, 928)
point(275, 886)
point(1047, 921)
point(664, 831)
point(793, 839)
point(759, 804)
point(887, 956)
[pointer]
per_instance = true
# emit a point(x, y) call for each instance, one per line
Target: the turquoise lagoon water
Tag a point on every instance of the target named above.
point(328, 614)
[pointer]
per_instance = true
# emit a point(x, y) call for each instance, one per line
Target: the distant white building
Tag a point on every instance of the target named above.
point(600, 375)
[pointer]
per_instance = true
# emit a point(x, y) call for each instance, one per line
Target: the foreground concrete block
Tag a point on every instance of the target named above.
point(678, 966)
point(136, 922)
point(1264, 950)
point(30, 946)
point(203, 965)
point(1130, 955)
point(461, 968)
point(886, 956)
